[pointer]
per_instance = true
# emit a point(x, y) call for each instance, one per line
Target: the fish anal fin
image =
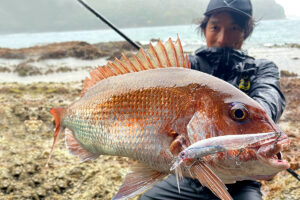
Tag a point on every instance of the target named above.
point(75, 149)
point(160, 56)
point(138, 180)
point(209, 179)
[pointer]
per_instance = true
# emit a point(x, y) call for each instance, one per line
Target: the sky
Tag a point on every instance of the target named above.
point(291, 7)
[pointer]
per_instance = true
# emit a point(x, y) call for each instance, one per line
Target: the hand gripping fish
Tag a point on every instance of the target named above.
point(151, 106)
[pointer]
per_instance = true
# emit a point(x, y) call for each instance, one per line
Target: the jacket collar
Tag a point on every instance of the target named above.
point(223, 60)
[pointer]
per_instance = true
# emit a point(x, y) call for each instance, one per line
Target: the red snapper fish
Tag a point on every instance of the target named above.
point(151, 106)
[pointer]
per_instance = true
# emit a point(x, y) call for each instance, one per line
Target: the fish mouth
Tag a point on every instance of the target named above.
point(270, 152)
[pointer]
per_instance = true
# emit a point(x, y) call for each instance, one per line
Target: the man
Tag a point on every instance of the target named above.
point(226, 25)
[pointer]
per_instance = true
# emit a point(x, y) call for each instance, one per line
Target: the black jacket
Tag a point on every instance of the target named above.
point(257, 78)
point(260, 80)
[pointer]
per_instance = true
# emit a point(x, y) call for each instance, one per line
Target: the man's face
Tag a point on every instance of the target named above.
point(222, 31)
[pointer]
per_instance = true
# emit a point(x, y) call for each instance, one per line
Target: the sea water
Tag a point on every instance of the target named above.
point(266, 33)
point(261, 44)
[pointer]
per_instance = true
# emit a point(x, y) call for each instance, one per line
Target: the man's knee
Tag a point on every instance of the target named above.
point(245, 190)
point(192, 189)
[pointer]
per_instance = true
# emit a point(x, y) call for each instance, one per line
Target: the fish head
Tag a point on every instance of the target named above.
point(236, 114)
point(262, 160)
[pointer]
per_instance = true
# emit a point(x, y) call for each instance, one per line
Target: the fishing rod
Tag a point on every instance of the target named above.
point(294, 174)
point(135, 45)
point(109, 24)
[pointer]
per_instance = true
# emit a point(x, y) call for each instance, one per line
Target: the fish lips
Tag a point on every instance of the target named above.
point(270, 153)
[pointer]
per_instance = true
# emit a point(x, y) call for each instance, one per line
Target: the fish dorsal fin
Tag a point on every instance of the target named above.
point(138, 180)
point(160, 56)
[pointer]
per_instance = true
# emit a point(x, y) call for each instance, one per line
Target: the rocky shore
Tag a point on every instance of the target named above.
point(37, 60)
point(26, 130)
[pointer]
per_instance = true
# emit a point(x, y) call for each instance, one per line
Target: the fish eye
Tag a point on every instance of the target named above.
point(238, 112)
point(182, 154)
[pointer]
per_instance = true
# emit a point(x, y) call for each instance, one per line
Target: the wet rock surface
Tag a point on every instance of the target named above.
point(37, 60)
point(82, 50)
point(26, 134)
point(75, 49)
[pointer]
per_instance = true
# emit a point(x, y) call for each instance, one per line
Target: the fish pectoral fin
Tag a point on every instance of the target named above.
point(209, 179)
point(199, 128)
point(75, 149)
point(138, 180)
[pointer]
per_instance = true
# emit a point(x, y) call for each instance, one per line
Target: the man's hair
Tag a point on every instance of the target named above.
point(246, 23)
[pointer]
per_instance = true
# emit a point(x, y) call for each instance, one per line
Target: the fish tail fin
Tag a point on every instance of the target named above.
point(57, 114)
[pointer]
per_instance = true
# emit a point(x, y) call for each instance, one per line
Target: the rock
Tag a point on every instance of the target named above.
point(25, 147)
point(26, 69)
point(82, 50)
point(4, 69)
point(11, 54)
point(284, 73)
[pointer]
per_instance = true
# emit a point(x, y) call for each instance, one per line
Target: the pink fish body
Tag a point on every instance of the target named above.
point(152, 106)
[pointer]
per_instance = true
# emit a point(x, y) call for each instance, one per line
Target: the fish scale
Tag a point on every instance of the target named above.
point(145, 109)
point(124, 142)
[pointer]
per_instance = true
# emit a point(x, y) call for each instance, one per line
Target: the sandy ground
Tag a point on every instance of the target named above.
point(26, 135)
